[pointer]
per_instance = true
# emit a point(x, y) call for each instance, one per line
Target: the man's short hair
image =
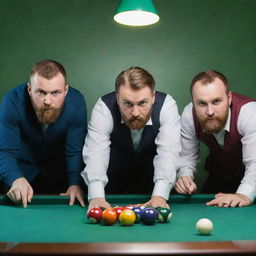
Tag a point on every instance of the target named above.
point(207, 77)
point(48, 69)
point(136, 78)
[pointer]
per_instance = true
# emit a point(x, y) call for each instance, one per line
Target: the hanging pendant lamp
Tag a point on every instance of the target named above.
point(136, 13)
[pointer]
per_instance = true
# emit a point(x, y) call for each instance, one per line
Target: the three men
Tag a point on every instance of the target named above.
point(133, 141)
point(42, 131)
point(224, 121)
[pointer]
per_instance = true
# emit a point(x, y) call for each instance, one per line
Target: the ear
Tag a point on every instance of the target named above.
point(66, 89)
point(229, 98)
point(117, 98)
point(29, 88)
point(153, 97)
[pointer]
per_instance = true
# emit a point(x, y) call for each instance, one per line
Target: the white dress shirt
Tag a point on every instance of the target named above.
point(246, 126)
point(96, 150)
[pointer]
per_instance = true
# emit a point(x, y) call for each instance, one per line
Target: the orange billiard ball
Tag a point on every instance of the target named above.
point(109, 216)
point(127, 217)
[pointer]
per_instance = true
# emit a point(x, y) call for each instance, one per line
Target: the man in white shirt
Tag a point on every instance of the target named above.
point(226, 123)
point(133, 141)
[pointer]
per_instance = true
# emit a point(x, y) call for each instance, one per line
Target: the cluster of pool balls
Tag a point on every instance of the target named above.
point(128, 215)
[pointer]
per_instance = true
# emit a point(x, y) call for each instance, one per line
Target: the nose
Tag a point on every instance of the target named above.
point(210, 111)
point(135, 111)
point(47, 100)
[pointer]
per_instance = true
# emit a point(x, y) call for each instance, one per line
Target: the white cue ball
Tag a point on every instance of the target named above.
point(204, 226)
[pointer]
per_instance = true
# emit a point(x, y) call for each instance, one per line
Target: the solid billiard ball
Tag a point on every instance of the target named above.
point(149, 215)
point(94, 215)
point(137, 211)
point(118, 210)
point(164, 214)
point(204, 226)
point(129, 207)
point(109, 216)
point(127, 217)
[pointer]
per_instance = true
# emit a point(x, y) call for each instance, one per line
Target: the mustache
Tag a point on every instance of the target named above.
point(135, 119)
point(42, 110)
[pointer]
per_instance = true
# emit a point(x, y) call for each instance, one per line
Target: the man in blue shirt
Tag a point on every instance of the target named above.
point(42, 131)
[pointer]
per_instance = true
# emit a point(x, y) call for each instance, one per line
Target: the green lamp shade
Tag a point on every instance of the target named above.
point(136, 13)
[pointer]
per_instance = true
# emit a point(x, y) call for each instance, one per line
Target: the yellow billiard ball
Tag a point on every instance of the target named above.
point(127, 217)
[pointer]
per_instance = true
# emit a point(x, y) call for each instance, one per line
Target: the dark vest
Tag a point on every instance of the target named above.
point(225, 162)
point(129, 170)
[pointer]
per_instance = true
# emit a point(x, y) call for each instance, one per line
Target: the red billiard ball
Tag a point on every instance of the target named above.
point(127, 217)
point(129, 207)
point(94, 215)
point(109, 216)
point(118, 211)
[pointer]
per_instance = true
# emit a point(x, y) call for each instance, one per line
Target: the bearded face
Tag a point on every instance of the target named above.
point(47, 97)
point(136, 123)
point(135, 105)
point(211, 103)
point(213, 124)
point(46, 114)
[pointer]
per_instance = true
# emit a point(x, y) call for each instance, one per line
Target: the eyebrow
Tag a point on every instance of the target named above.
point(135, 102)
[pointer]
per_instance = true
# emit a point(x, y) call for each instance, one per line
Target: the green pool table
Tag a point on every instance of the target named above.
point(52, 227)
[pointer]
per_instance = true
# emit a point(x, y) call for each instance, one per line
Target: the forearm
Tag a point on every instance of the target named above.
point(9, 168)
point(95, 172)
point(248, 183)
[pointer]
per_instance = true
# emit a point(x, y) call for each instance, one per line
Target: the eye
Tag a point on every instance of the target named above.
point(201, 104)
point(40, 92)
point(128, 104)
point(55, 93)
point(143, 103)
point(216, 102)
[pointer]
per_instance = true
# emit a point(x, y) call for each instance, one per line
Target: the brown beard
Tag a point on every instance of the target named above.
point(136, 123)
point(213, 124)
point(47, 115)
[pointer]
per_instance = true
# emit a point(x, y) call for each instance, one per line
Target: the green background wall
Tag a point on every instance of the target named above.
point(191, 36)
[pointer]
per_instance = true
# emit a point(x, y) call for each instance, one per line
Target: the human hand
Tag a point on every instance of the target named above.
point(98, 202)
point(20, 192)
point(230, 200)
point(185, 185)
point(157, 201)
point(75, 192)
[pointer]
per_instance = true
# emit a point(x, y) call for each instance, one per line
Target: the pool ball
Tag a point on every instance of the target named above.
point(164, 214)
point(127, 217)
point(118, 211)
point(137, 211)
point(94, 215)
point(109, 216)
point(129, 207)
point(149, 215)
point(204, 226)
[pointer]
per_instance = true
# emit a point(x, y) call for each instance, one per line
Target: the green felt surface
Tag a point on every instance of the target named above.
point(50, 219)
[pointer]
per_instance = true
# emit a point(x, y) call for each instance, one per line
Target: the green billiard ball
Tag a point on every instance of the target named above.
point(164, 214)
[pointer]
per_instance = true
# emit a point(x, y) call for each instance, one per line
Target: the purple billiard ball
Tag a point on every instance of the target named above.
point(149, 216)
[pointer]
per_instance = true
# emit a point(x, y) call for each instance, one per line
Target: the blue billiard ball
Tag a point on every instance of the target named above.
point(149, 216)
point(137, 211)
